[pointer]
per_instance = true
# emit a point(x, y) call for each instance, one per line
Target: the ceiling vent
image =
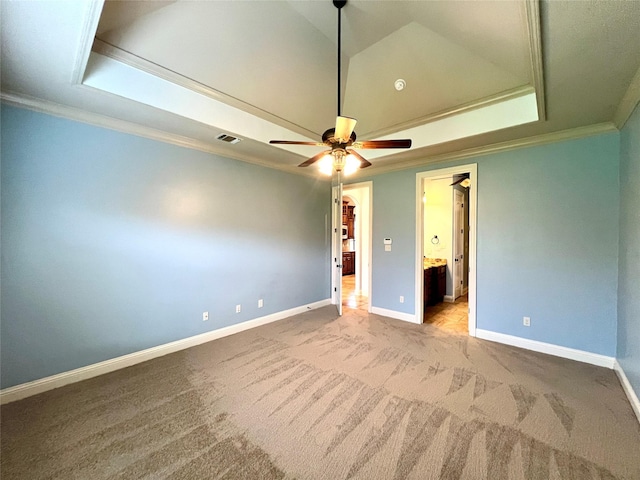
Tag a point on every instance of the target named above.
point(223, 137)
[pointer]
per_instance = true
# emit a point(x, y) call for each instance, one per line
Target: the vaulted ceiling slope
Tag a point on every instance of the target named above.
point(479, 74)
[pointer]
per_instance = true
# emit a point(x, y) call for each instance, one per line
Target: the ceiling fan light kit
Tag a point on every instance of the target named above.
point(339, 159)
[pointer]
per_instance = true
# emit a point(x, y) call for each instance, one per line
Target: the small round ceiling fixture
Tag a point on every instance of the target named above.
point(400, 84)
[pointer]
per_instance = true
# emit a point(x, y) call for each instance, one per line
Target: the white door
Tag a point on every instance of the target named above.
point(336, 248)
point(458, 242)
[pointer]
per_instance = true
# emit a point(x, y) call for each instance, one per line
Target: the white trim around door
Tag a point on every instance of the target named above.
point(364, 260)
point(472, 170)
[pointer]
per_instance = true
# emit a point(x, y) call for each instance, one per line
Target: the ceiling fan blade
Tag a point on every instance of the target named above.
point(314, 159)
point(344, 127)
point(291, 142)
point(364, 163)
point(405, 143)
point(463, 177)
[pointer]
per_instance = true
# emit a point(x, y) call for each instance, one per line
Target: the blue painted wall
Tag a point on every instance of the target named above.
point(547, 241)
point(629, 267)
point(394, 217)
point(113, 243)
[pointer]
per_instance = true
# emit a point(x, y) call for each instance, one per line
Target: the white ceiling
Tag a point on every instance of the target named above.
point(478, 72)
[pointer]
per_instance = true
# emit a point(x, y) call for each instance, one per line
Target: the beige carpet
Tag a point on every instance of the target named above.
point(317, 397)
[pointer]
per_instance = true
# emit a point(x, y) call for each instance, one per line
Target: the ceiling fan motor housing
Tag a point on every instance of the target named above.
point(328, 137)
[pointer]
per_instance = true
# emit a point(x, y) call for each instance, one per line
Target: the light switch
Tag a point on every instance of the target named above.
point(387, 248)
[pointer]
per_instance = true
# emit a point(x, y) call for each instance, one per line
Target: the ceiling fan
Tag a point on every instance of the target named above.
point(462, 180)
point(342, 139)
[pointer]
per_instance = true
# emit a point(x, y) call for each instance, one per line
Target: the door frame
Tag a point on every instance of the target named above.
point(458, 244)
point(367, 235)
point(336, 246)
point(472, 170)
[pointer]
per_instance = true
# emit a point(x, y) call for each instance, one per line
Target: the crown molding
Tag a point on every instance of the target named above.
point(535, 54)
point(89, 29)
point(134, 61)
point(399, 128)
point(76, 114)
point(628, 103)
point(538, 140)
point(83, 116)
point(533, 32)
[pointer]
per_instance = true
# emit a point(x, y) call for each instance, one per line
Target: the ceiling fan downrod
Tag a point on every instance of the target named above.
point(339, 4)
point(341, 140)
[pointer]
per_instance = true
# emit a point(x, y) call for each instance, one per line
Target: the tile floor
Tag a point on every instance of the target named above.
point(452, 317)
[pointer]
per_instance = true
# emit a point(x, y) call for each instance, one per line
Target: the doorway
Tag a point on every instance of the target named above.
point(356, 247)
point(445, 248)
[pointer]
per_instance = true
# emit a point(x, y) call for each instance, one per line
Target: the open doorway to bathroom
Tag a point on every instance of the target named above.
point(446, 236)
point(356, 246)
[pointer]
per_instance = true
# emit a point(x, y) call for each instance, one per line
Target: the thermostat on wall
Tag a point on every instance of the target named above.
point(387, 241)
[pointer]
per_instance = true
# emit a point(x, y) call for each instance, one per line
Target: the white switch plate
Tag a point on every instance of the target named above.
point(205, 316)
point(260, 303)
point(387, 248)
point(401, 299)
point(526, 321)
point(238, 308)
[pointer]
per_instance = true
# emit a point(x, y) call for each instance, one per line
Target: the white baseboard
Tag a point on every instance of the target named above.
point(628, 389)
point(28, 389)
point(548, 348)
point(448, 299)
point(407, 317)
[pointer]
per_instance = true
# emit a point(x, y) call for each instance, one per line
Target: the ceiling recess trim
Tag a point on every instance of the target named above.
point(467, 107)
point(89, 29)
point(113, 76)
point(139, 63)
point(534, 141)
point(535, 49)
point(629, 101)
point(91, 118)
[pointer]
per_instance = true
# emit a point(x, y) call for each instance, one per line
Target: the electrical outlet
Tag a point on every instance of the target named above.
point(526, 321)
point(260, 303)
point(205, 316)
point(238, 308)
point(401, 299)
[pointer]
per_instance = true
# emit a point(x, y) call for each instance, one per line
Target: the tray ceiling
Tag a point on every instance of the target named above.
point(280, 57)
point(267, 69)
